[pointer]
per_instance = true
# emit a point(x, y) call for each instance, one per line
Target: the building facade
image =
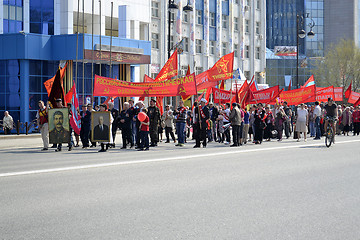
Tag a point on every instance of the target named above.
point(36, 35)
point(212, 29)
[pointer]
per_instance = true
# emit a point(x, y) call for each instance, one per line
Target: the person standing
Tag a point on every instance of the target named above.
point(317, 118)
point(168, 118)
point(279, 123)
point(105, 145)
point(356, 120)
point(245, 130)
point(144, 132)
point(8, 123)
point(346, 120)
point(125, 119)
point(180, 116)
point(85, 126)
point(91, 110)
point(202, 117)
point(154, 116)
point(42, 121)
point(269, 122)
point(259, 124)
point(227, 121)
point(59, 104)
point(115, 113)
point(301, 121)
point(288, 122)
point(235, 118)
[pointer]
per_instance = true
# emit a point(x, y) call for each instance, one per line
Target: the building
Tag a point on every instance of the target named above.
point(282, 31)
point(35, 35)
point(212, 29)
point(342, 21)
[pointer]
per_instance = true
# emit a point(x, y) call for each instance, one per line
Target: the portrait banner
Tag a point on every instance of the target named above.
point(100, 126)
point(59, 125)
point(104, 86)
point(301, 95)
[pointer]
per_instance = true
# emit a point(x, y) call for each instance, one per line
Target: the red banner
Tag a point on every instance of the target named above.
point(148, 79)
point(301, 95)
point(322, 94)
point(354, 96)
point(104, 86)
point(265, 95)
point(222, 96)
point(338, 94)
point(48, 83)
point(170, 68)
point(202, 81)
point(222, 69)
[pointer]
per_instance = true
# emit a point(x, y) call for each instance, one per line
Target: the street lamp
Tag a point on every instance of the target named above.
point(302, 34)
point(172, 6)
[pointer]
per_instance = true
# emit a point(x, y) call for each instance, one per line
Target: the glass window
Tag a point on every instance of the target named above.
point(198, 46)
point(154, 9)
point(19, 14)
point(224, 49)
point(6, 11)
point(224, 21)
point(236, 49)
point(42, 17)
point(257, 29)
point(247, 26)
point(236, 24)
point(257, 53)
point(199, 17)
point(186, 44)
point(247, 52)
point(212, 47)
point(12, 12)
point(155, 41)
point(212, 20)
point(185, 17)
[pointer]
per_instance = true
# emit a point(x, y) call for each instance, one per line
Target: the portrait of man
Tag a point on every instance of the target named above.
point(59, 126)
point(100, 124)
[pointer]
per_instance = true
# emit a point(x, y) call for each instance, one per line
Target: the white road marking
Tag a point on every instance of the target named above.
point(101, 165)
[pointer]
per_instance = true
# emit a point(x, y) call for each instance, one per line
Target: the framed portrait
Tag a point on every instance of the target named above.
point(100, 126)
point(59, 125)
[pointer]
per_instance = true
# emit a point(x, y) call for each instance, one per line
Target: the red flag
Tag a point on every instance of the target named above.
point(148, 79)
point(69, 95)
point(357, 102)
point(170, 69)
point(348, 91)
point(186, 97)
point(202, 81)
point(160, 104)
point(301, 95)
point(48, 83)
point(353, 98)
point(207, 95)
point(57, 90)
point(309, 82)
point(200, 97)
point(75, 120)
point(289, 88)
point(222, 69)
point(222, 85)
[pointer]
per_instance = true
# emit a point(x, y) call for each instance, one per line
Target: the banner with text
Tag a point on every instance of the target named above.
point(301, 95)
point(322, 94)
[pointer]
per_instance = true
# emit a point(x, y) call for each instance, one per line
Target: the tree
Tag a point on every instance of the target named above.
point(339, 67)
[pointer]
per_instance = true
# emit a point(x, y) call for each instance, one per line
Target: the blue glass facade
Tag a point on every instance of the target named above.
point(12, 16)
point(42, 17)
point(315, 46)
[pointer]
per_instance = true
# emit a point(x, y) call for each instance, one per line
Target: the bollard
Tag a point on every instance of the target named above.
point(18, 127)
point(26, 128)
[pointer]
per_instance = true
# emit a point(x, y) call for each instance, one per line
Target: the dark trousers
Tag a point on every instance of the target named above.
point(169, 132)
point(84, 136)
point(201, 135)
point(127, 136)
point(154, 134)
point(259, 132)
point(287, 128)
point(356, 128)
point(236, 134)
point(317, 128)
point(144, 139)
point(227, 135)
point(7, 131)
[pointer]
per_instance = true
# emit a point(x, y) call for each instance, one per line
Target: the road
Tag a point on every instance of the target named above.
point(285, 190)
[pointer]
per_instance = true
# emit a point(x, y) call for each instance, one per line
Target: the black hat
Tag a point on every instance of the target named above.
point(58, 100)
point(103, 105)
point(153, 100)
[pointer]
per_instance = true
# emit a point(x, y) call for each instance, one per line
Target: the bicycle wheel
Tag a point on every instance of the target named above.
point(329, 137)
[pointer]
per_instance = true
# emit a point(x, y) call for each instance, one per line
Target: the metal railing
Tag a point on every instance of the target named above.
point(20, 127)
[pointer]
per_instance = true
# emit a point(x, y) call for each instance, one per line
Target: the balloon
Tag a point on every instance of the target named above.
point(141, 116)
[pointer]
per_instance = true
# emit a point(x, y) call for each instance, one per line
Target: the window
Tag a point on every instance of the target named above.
point(212, 47)
point(212, 19)
point(224, 48)
point(198, 45)
point(154, 9)
point(172, 16)
point(247, 75)
point(236, 24)
point(236, 49)
point(247, 26)
point(185, 17)
point(237, 1)
point(257, 53)
point(42, 17)
point(12, 16)
point(224, 21)
point(247, 52)
point(186, 44)
point(198, 70)
point(257, 29)
point(257, 4)
point(183, 70)
point(198, 17)
point(155, 41)
point(171, 41)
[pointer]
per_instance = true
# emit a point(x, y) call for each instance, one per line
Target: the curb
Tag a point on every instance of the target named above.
point(21, 136)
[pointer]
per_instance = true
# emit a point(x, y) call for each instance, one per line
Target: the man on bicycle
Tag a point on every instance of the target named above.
point(331, 114)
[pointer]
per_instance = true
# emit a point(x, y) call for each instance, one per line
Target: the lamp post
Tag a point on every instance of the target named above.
point(173, 6)
point(301, 34)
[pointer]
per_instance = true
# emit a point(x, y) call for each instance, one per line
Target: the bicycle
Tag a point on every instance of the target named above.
point(329, 135)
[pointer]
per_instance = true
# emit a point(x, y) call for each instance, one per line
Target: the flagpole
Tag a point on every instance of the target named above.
point(77, 43)
point(111, 33)
point(83, 43)
point(100, 36)
point(92, 53)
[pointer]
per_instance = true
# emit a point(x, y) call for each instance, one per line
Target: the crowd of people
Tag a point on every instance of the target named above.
point(207, 122)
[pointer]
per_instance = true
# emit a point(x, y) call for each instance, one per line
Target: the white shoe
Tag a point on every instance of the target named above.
point(298, 140)
point(226, 143)
point(304, 140)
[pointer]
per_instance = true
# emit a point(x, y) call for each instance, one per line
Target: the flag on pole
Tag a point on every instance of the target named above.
point(75, 120)
point(348, 91)
point(289, 88)
point(48, 83)
point(186, 97)
point(309, 82)
point(57, 90)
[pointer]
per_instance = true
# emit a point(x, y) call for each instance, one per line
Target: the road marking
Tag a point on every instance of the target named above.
point(101, 165)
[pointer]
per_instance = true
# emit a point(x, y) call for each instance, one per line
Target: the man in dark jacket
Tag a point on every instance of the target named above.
point(201, 118)
point(214, 113)
point(154, 116)
point(85, 126)
point(235, 118)
point(180, 116)
point(115, 113)
point(125, 122)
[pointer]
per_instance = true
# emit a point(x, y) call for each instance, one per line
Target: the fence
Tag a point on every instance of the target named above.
point(20, 127)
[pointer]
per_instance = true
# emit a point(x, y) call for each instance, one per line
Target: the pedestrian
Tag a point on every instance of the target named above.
point(85, 115)
point(114, 113)
point(235, 118)
point(346, 118)
point(202, 117)
point(259, 124)
point(301, 121)
point(125, 124)
point(279, 123)
point(214, 112)
point(71, 143)
point(8, 123)
point(105, 145)
point(90, 108)
point(168, 118)
point(356, 120)
point(245, 131)
point(180, 118)
point(42, 121)
point(317, 118)
point(154, 116)
point(226, 115)
point(288, 122)
point(312, 121)
point(269, 121)
point(144, 132)
point(59, 104)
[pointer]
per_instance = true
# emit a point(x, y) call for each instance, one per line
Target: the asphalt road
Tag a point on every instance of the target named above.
point(284, 190)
